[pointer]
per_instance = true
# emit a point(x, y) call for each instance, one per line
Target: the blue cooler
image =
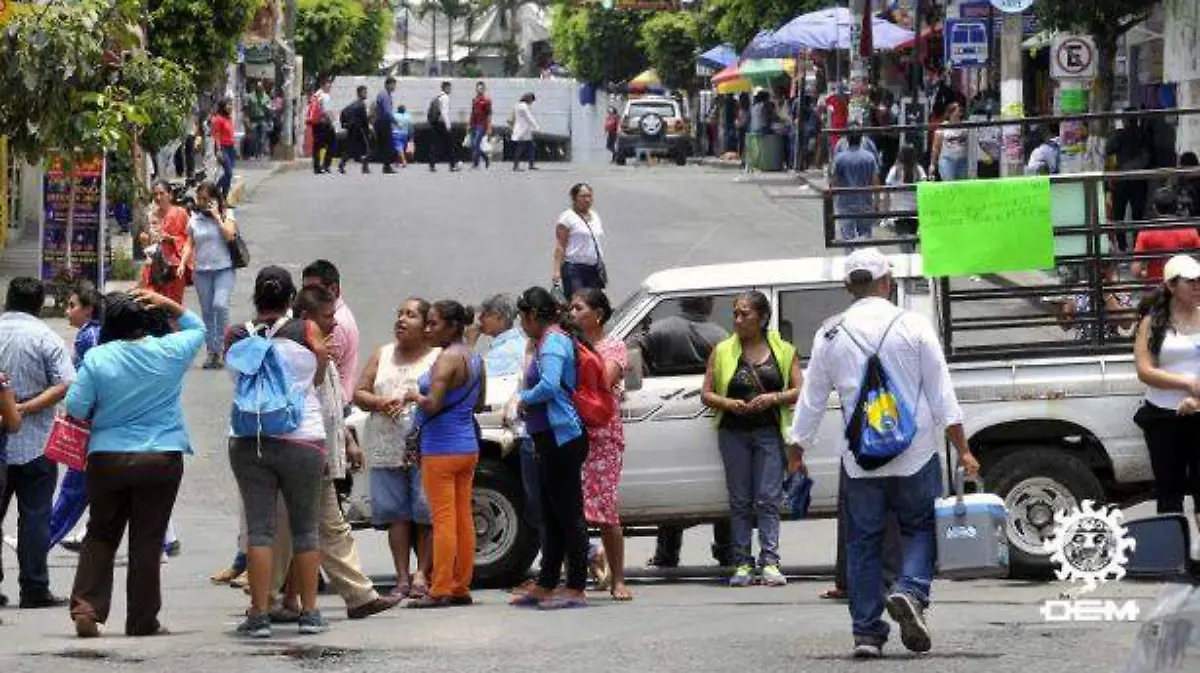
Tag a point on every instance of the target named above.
point(971, 539)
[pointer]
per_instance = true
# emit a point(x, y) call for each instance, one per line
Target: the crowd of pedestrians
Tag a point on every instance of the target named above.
point(382, 131)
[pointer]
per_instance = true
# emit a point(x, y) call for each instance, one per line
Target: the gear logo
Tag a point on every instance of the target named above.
point(1090, 545)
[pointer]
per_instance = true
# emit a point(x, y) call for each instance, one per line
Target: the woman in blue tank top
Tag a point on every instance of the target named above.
point(448, 397)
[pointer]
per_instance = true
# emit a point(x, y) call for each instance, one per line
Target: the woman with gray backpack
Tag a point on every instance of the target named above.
point(277, 442)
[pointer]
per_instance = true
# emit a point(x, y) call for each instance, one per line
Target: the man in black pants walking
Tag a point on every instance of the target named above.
point(357, 126)
point(439, 130)
point(383, 125)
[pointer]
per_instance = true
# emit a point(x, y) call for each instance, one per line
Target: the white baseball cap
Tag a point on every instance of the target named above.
point(1181, 266)
point(872, 261)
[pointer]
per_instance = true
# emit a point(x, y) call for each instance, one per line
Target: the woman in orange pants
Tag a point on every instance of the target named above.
point(448, 397)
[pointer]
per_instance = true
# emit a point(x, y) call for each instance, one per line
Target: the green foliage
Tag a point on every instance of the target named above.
point(738, 21)
point(199, 35)
point(597, 45)
point(67, 88)
point(338, 37)
point(669, 40)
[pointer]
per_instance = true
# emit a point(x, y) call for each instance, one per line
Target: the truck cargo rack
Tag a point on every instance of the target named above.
point(1017, 316)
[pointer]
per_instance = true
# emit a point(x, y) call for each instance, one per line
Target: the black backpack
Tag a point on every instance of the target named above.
point(434, 114)
point(345, 117)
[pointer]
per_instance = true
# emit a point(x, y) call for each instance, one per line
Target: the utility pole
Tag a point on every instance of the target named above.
point(289, 81)
point(1012, 95)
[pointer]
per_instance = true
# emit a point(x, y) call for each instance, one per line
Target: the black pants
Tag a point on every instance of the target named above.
point(324, 138)
point(670, 542)
point(385, 151)
point(357, 147)
point(1174, 445)
point(441, 147)
point(1128, 195)
point(564, 531)
point(138, 490)
point(523, 149)
point(33, 486)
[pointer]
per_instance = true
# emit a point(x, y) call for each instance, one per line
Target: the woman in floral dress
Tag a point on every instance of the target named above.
point(590, 310)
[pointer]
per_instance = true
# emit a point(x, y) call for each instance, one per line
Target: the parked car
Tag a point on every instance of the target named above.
point(654, 125)
point(1050, 432)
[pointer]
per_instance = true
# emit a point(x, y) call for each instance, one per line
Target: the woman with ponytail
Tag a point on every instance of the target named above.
point(752, 383)
point(1167, 354)
point(561, 445)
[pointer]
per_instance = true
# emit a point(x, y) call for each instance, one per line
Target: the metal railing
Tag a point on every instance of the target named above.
point(1012, 316)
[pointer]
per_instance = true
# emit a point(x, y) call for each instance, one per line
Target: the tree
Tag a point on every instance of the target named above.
point(324, 34)
point(594, 44)
point(200, 35)
point(1105, 21)
point(369, 39)
point(738, 21)
point(669, 40)
point(75, 86)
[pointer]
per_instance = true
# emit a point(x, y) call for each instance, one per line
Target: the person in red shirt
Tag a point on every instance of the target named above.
point(225, 145)
point(481, 125)
point(1176, 240)
point(612, 124)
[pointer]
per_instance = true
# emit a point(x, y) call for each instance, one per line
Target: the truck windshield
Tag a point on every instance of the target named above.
point(626, 306)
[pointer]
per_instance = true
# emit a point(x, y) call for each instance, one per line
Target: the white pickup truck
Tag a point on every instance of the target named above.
point(1049, 432)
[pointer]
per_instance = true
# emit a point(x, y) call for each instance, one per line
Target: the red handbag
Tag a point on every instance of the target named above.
point(68, 442)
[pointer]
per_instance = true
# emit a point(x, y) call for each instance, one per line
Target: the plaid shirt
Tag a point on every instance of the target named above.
point(35, 358)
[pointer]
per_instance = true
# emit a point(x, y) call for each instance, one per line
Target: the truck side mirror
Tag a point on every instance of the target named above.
point(1163, 548)
point(633, 371)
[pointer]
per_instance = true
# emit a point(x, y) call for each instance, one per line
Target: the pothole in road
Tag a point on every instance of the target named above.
point(99, 655)
point(314, 656)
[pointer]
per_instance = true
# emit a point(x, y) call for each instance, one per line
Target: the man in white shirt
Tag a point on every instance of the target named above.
point(908, 484)
point(439, 129)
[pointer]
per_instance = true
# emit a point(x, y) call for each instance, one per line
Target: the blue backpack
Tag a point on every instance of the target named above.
point(264, 400)
point(882, 424)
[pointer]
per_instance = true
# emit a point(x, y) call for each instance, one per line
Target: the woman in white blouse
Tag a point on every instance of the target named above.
point(523, 126)
point(578, 254)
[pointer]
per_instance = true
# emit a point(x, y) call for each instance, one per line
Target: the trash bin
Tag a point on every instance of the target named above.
point(770, 153)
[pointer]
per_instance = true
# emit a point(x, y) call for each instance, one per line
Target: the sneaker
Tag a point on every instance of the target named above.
point(173, 548)
point(910, 616)
point(312, 623)
point(867, 648)
point(771, 576)
point(742, 577)
point(255, 626)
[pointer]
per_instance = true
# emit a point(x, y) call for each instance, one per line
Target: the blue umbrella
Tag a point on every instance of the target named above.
point(830, 29)
point(719, 57)
point(768, 45)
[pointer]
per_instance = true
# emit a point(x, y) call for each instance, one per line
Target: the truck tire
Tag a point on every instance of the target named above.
point(1035, 483)
point(505, 543)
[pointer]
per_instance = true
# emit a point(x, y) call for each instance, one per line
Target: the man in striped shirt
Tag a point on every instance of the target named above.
point(39, 365)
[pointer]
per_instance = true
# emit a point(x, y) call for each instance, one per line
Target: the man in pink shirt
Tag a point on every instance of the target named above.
point(343, 342)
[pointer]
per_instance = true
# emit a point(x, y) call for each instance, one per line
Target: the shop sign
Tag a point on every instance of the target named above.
point(1072, 57)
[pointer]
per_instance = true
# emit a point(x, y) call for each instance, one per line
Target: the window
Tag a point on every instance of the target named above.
point(678, 334)
point(802, 312)
point(666, 110)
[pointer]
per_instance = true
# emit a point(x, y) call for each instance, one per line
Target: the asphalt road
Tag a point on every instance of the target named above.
point(468, 235)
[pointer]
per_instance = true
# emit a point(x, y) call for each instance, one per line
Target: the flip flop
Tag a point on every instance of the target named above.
point(524, 601)
point(623, 598)
point(833, 594)
point(418, 590)
point(562, 603)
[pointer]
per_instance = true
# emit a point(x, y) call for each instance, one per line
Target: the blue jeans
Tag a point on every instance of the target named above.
point(522, 149)
point(754, 478)
point(226, 157)
point(477, 135)
point(576, 277)
point(214, 289)
point(952, 169)
point(262, 144)
point(72, 502)
point(868, 502)
point(33, 485)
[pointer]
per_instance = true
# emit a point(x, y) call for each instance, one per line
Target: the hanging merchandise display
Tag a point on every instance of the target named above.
point(74, 249)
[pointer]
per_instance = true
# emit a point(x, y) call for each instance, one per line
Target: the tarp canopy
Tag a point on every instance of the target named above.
point(730, 80)
point(830, 29)
point(421, 33)
point(766, 45)
point(718, 57)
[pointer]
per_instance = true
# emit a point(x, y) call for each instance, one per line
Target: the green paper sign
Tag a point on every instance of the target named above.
point(973, 227)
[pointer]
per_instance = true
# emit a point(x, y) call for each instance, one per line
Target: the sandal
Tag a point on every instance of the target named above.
point(524, 601)
point(833, 594)
point(621, 594)
point(601, 573)
point(418, 590)
point(403, 589)
point(562, 603)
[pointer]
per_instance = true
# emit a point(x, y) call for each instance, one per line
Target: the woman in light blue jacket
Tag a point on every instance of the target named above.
point(130, 386)
point(561, 445)
point(401, 132)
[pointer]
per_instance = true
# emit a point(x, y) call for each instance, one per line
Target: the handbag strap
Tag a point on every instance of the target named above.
point(595, 243)
point(450, 405)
